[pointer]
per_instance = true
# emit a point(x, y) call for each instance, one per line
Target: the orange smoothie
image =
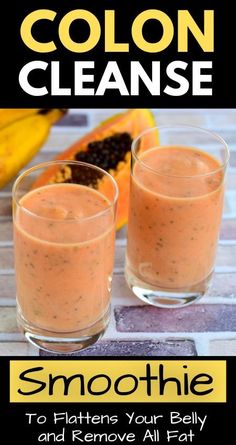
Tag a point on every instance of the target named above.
point(175, 214)
point(64, 249)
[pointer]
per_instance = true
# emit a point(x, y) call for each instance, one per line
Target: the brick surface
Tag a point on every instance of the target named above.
point(226, 256)
point(231, 198)
point(223, 347)
point(223, 285)
point(229, 135)
point(8, 320)
point(233, 159)
point(6, 258)
point(6, 231)
point(59, 139)
point(228, 229)
point(80, 120)
point(16, 349)
point(227, 205)
point(177, 118)
point(221, 119)
point(231, 180)
point(7, 286)
point(8, 187)
point(203, 140)
point(5, 206)
point(42, 156)
point(144, 348)
point(100, 115)
point(121, 290)
point(195, 318)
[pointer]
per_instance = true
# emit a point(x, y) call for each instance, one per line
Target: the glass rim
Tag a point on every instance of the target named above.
point(175, 127)
point(28, 171)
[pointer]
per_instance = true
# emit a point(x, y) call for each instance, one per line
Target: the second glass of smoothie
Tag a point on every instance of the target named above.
point(64, 236)
point(176, 202)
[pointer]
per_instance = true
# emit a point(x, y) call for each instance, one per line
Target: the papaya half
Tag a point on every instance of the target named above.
point(108, 146)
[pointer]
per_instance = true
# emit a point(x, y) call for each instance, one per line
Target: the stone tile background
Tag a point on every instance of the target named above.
point(207, 328)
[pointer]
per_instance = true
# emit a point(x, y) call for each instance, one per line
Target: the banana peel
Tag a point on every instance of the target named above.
point(22, 139)
point(53, 114)
point(10, 115)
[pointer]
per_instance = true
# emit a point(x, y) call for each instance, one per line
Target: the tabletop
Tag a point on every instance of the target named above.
point(206, 329)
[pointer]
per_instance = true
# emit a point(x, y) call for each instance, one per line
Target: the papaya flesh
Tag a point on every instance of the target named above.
point(108, 146)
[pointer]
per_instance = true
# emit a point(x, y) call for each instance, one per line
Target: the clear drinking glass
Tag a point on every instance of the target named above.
point(64, 236)
point(176, 201)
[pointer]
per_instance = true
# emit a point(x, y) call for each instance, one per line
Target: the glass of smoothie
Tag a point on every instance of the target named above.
point(64, 236)
point(176, 202)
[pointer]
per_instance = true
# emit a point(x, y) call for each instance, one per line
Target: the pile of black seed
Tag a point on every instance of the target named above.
point(105, 154)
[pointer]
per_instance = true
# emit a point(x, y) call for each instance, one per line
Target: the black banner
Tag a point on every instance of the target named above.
point(122, 422)
point(166, 53)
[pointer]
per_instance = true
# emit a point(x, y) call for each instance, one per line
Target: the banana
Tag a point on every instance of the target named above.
point(20, 141)
point(10, 115)
point(53, 114)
